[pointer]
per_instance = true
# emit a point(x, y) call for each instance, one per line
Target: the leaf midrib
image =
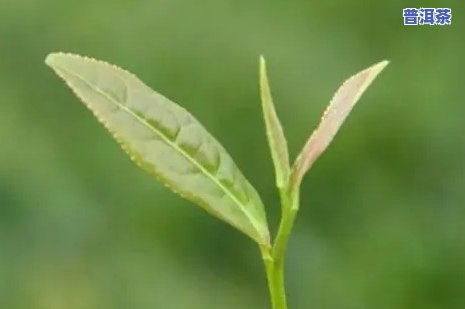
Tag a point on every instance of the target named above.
point(169, 142)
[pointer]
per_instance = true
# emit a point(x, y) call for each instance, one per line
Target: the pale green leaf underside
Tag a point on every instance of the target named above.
point(333, 118)
point(166, 140)
point(274, 131)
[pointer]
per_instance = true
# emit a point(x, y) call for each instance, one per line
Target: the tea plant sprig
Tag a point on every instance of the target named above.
point(168, 142)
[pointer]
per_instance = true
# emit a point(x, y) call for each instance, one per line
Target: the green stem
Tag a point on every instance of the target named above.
point(289, 208)
point(275, 278)
point(273, 258)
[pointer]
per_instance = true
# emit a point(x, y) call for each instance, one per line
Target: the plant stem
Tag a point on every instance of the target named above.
point(275, 278)
point(273, 258)
point(289, 208)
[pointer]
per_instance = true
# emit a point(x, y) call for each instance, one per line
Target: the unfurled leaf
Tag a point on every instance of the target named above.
point(338, 109)
point(166, 140)
point(274, 131)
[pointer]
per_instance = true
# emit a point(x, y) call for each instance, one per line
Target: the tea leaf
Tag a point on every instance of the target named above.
point(337, 111)
point(166, 140)
point(274, 131)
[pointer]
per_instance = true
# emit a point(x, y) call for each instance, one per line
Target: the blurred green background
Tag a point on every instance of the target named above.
point(382, 222)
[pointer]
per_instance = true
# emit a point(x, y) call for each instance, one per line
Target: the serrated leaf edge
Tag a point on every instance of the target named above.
point(304, 162)
point(263, 239)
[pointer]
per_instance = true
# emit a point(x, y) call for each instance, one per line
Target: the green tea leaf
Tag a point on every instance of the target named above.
point(274, 130)
point(338, 110)
point(166, 140)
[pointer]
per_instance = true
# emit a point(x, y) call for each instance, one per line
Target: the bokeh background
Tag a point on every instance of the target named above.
point(382, 222)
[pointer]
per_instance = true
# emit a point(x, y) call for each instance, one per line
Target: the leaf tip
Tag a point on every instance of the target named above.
point(52, 58)
point(56, 58)
point(263, 72)
point(380, 66)
point(49, 59)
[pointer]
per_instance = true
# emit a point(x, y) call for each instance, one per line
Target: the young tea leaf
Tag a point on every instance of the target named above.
point(166, 140)
point(337, 111)
point(274, 131)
